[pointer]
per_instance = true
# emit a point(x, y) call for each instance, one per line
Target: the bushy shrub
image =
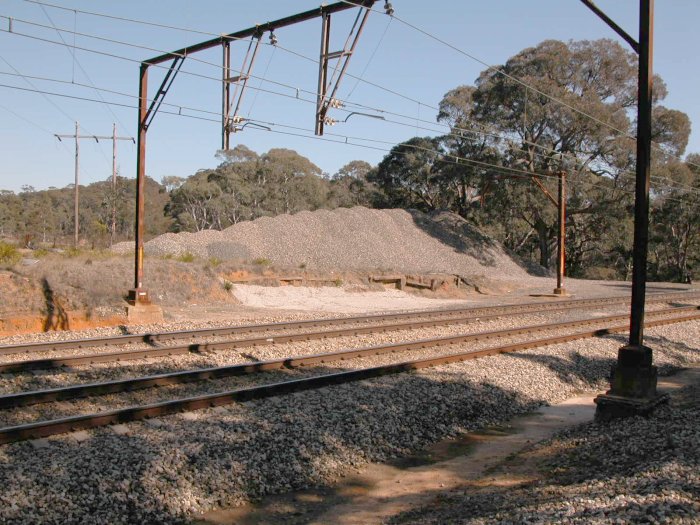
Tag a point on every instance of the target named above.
point(8, 254)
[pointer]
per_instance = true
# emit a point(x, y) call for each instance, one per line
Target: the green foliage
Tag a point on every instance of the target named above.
point(489, 180)
point(186, 257)
point(262, 261)
point(9, 255)
point(45, 218)
point(228, 285)
point(214, 262)
point(246, 186)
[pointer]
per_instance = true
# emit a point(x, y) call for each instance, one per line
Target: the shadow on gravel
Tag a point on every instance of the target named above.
point(577, 369)
point(639, 470)
point(222, 456)
point(457, 233)
point(464, 238)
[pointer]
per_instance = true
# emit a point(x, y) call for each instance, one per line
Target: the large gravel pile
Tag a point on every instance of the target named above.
point(631, 471)
point(351, 239)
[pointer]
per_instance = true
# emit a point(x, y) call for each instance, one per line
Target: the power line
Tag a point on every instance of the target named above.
point(263, 79)
point(513, 78)
point(496, 136)
point(511, 172)
point(76, 61)
point(59, 109)
point(371, 57)
point(392, 16)
point(313, 93)
point(522, 173)
point(290, 51)
point(132, 20)
point(549, 150)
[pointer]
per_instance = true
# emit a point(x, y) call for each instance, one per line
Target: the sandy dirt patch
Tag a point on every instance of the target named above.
point(337, 300)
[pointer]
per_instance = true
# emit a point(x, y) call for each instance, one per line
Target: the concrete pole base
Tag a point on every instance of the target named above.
point(610, 407)
point(632, 386)
point(144, 314)
point(560, 291)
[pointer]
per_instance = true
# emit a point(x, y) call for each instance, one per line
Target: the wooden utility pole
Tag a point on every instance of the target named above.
point(76, 199)
point(77, 136)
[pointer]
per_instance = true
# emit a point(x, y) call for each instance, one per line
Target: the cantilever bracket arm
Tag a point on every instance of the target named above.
point(605, 18)
point(544, 189)
point(326, 93)
point(163, 89)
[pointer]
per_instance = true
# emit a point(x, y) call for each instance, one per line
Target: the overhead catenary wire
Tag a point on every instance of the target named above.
point(264, 79)
point(132, 20)
point(500, 137)
point(181, 107)
point(408, 24)
point(80, 66)
point(223, 36)
point(362, 106)
point(512, 172)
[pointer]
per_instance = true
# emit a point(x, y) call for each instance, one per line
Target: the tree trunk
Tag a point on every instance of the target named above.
point(543, 241)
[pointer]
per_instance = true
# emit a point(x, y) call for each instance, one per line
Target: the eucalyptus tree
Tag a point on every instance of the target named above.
point(563, 106)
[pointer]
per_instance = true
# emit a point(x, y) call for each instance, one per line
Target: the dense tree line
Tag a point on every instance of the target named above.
point(246, 186)
point(530, 138)
point(506, 143)
point(46, 218)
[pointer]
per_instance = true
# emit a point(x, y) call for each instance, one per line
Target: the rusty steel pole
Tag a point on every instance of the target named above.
point(641, 197)
point(145, 114)
point(225, 95)
point(138, 294)
point(322, 70)
point(561, 234)
point(633, 382)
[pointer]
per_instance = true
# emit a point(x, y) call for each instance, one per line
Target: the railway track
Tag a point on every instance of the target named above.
point(67, 424)
point(411, 320)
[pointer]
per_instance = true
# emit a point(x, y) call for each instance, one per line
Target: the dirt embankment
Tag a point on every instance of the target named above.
point(438, 255)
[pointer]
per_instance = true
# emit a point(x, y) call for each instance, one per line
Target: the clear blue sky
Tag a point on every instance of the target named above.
point(406, 62)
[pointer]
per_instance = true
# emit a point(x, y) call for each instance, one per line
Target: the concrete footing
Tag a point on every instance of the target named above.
point(609, 407)
point(632, 386)
point(144, 313)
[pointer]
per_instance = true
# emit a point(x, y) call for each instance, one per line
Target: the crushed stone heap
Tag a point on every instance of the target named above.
point(351, 239)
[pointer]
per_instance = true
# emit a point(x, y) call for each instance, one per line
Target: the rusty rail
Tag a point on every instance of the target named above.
point(81, 422)
point(166, 351)
point(111, 387)
point(159, 337)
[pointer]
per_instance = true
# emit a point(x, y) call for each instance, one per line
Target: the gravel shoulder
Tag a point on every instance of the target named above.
point(638, 470)
point(171, 469)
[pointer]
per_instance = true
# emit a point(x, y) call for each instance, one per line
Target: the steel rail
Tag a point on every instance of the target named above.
point(201, 348)
point(187, 376)
point(155, 338)
point(87, 421)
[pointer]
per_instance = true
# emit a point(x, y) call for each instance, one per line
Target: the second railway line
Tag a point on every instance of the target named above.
point(124, 398)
